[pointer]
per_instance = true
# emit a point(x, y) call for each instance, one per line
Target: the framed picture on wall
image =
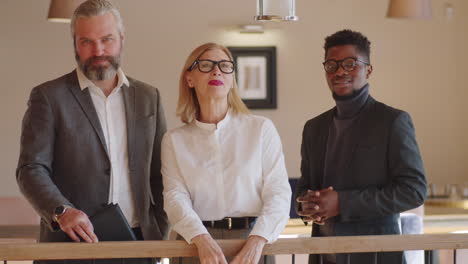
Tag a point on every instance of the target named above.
point(256, 75)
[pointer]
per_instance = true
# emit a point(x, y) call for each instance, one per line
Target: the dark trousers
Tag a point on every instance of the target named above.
point(387, 225)
point(361, 258)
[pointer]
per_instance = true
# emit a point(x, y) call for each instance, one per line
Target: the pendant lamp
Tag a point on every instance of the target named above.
point(62, 10)
point(276, 10)
point(415, 9)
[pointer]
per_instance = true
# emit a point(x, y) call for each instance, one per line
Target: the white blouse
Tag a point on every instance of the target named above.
point(233, 169)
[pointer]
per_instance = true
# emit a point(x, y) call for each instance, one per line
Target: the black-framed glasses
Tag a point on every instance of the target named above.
point(348, 64)
point(206, 66)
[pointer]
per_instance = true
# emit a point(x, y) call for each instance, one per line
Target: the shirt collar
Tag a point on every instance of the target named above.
point(351, 105)
point(213, 127)
point(84, 82)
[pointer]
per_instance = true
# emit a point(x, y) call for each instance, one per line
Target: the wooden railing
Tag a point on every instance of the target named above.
point(144, 249)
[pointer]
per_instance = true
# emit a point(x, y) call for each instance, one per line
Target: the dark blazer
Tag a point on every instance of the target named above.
point(383, 175)
point(64, 160)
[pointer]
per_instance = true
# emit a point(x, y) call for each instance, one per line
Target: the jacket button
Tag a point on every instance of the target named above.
point(107, 171)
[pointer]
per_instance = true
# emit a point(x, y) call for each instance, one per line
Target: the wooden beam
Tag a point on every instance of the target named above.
point(19, 231)
point(144, 249)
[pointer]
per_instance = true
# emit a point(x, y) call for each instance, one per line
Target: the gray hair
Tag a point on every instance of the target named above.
point(96, 8)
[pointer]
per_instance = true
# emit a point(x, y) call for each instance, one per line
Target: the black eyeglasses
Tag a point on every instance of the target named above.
point(348, 64)
point(206, 66)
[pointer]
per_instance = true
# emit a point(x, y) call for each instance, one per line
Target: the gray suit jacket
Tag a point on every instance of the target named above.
point(384, 174)
point(63, 156)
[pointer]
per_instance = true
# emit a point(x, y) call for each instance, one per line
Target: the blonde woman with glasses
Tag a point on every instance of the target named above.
point(224, 172)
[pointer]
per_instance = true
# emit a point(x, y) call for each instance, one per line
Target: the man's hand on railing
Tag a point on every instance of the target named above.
point(76, 224)
point(208, 250)
point(251, 252)
point(319, 205)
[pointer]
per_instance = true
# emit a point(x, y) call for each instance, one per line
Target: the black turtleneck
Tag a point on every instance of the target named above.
point(348, 106)
point(339, 140)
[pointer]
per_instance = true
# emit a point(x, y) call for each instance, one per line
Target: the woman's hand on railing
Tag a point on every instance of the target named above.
point(251, 252)
point(77, 224)
point(208, 250)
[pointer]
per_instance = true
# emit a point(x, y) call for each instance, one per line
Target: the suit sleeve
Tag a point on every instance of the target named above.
point(156, 177)
point(406, 188)
point(303, 183)
point(35, 164)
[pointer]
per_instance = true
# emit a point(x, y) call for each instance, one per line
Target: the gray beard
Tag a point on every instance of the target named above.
point(99, 73)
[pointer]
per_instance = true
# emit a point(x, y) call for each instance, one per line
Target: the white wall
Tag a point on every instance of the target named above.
point(419, 66)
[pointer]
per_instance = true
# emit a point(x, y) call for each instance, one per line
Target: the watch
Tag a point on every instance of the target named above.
point(59, 211)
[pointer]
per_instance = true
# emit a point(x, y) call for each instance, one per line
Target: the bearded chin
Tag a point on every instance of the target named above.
point(100, 72)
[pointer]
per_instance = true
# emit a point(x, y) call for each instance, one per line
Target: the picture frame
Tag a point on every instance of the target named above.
point(256, 75)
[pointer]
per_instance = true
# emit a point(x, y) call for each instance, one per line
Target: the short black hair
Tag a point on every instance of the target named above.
point(349, 37)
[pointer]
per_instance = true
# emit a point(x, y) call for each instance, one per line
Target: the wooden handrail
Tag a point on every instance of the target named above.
point(144, 249)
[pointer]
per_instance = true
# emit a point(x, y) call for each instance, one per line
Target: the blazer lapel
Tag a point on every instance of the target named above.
point(137, 185)
point(322, 143)
point(84, 99)
point(130, 110)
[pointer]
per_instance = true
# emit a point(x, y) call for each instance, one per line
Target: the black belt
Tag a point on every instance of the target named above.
point(232, 223)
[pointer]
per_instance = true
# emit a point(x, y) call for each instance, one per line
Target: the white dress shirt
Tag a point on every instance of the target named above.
point(233, 169)
point(112, 117)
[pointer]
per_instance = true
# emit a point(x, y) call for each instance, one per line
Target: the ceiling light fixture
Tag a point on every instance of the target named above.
point(276, 10)
point(416, 9)
point(252, 29)
point(62, 10)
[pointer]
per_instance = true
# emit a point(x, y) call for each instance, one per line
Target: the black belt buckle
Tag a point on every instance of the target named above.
point(230, 223)
point(225, 223)
point(239, 223)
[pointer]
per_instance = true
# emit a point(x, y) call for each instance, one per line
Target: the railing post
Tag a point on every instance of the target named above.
point(348, 258)
point(454, 256)
point(428, 256)
point(375, 257)
point(293, 260)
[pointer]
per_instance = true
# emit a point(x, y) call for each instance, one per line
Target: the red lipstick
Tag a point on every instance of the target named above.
point(216, 82)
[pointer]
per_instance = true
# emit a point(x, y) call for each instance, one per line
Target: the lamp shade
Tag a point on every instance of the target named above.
point(62, 10)
point(276, 10)
point(410, 9)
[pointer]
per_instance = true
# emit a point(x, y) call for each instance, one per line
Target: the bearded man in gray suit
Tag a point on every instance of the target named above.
point(92, 137)
point(361, 164)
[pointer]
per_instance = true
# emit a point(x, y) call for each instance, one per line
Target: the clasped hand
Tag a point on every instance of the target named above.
point(210, 252)
point(319, 205)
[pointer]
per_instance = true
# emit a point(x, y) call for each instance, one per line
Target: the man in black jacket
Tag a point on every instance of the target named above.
point(361, 164)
